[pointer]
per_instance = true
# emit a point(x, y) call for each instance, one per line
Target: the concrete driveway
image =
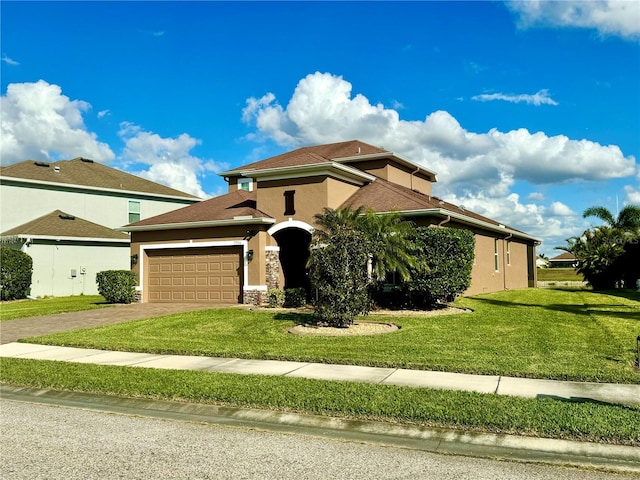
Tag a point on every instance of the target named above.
point(12, 330)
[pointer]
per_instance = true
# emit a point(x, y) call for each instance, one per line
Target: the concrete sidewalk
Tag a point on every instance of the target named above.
point(522, 387)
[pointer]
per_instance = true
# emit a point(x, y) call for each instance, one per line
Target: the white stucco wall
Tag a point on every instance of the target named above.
point(20, 204)
point(53, 262)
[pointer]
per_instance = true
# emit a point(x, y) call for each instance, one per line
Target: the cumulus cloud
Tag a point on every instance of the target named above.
point(559, 209)
point(541, 97)
point(478, 170)
point(608, 17)
point(535, 196)
point(168, 160)
point(40, 123)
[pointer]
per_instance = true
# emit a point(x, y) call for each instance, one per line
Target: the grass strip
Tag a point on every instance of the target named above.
point(49, 306)
point(557, 334)
point(551, 418)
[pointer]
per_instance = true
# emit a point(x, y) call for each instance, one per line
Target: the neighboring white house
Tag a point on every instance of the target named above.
point(63, 215)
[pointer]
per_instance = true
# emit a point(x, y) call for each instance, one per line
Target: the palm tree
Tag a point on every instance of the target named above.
point(627, 220)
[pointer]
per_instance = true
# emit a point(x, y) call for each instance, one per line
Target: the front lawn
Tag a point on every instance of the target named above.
point(538, 333)
point(559, 275)
point(49, 306)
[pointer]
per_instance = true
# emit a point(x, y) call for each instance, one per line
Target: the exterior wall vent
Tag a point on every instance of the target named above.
point(56, 169)
point(64, 216)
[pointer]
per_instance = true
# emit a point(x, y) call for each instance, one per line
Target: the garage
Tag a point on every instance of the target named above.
point(208, 275)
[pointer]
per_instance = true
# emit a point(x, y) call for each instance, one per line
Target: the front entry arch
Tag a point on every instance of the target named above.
point(294, 252)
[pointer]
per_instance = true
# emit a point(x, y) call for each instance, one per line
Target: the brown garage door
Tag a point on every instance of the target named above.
point(195, 275)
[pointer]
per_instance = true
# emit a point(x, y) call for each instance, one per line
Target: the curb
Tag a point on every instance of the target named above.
point(618, 458)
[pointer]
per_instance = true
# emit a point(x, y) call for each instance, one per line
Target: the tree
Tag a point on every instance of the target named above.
point(16, 269)
point(627, 220)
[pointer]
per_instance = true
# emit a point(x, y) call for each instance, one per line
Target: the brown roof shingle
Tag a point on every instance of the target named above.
point(314, 154)
point(60, 224)
point(84, 172)
point(224, 207)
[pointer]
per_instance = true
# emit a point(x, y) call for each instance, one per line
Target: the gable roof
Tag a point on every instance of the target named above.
point(235, 208)
point(60, 225)
point(564, 257)
point(383, 197)
point(85, 173)
point(332, 153)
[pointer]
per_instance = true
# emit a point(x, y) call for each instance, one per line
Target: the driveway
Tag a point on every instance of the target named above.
point(12, 330)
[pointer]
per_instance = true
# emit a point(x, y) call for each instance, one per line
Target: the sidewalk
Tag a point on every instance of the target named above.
point(522, 387)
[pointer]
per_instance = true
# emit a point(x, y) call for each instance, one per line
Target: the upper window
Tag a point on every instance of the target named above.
point(495, 255)
point(289, 205)
point(245, 184)
point(134, 211)
point(508, 252)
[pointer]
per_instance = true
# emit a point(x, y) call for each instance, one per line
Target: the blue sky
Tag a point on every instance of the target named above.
point(529, 112)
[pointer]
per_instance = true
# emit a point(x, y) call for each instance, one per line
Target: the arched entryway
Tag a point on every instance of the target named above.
point(293, 239)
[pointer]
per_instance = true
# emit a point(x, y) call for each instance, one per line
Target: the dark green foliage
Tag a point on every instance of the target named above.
point(116, 286)
point(16, 268)
point(448, 254)
point(295, 297)
point(275, 298)
point(338, 270)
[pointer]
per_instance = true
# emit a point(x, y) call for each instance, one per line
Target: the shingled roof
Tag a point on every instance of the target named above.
point(82, 172)
point(384, 196)
point(62, 225)
point(238, 206)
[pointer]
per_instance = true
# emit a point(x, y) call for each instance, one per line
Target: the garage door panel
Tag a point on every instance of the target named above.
point(210, 274)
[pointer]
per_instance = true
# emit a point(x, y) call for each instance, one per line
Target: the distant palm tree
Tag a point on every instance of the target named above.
point(628, 220)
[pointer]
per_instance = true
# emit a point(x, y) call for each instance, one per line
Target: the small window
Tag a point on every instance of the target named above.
point(245, 184)
point(508, 252)
point(134, 211)
point(289, 205)
point(495, 254)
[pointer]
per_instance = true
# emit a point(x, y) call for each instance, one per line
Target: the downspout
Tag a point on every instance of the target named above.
point(446, 220)
point(411, 176)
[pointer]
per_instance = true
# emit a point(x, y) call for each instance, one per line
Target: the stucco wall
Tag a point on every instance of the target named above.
point(396, 173)
point(20, 204)
point(53, 262)
point(311, 194)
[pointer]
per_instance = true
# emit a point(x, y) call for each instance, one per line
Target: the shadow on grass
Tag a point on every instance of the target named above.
point(296, 317)
point(590, 401)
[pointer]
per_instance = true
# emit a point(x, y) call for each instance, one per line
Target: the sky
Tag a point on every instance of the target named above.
point(529, 112)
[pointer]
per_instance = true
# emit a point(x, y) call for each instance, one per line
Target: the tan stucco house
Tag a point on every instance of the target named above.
point(63, 214)
point(233, 248)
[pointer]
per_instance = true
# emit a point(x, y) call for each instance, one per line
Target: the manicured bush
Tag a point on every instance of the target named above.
point(448, 254)
point(275, 297)
point(295, 297)
point(116, 286)
point(16, 268)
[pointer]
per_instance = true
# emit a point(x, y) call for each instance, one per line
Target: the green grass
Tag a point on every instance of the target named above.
point(559, 275)
point(537, 333)
point(49, 306)
point(583, 421)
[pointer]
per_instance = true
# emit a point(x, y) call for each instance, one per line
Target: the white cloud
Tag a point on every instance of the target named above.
point(9, 61)
point(168, 159)
point(103, 113)
point(478, 170)
point(541, 97)
point(39, 122)
point(608, 17)
point(535, 196)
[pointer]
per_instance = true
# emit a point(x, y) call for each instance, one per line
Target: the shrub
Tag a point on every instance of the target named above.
point(295, 297)
point(116, 286)
point(275, 297)
point(16, 268)
point(448, 254)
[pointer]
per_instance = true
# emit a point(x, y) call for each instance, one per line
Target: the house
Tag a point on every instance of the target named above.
point(564, 260)
point(63, 214)
point(542, 262)
point(233, 248)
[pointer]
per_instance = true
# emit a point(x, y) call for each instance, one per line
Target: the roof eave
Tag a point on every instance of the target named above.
point(333, 169)
point(66, 238)
point(395, 156)
point(465, 219)
point(199, 224)
point(4, 178)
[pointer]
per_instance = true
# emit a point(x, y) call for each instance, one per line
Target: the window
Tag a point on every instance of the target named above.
point(508, 252)
point(289, 206)
point(495, 254)
point(245, 184)
point(134, 211)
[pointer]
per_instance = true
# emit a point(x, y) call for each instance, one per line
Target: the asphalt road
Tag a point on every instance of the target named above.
point(51, 442)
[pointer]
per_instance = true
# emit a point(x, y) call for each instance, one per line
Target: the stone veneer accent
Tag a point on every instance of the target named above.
point(272, 260)
point(252, 297)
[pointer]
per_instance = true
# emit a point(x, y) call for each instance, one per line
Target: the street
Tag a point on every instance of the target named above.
point(51, 442)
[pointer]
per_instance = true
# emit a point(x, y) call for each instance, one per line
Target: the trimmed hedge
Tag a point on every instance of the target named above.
point(16, 268)
point(295, 297)
point(275, 297)
point(116, 286)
